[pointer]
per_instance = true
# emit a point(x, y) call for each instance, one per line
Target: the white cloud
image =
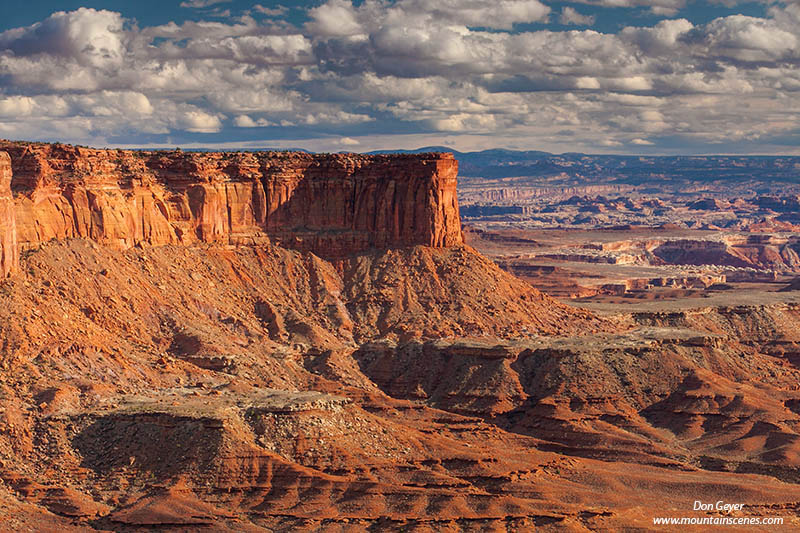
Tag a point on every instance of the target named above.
point(244, 121)
point(500, 14)
point(569, 15)
point(451, 66)
point(634, 100)
point(658, 7)
point(200, 4)
point(339, 18)
point(271, 11)
point(197, 121)
point(16, 106)
point(110, 103)
point(587, 82)
point(334, 117)
point(745, 38)
point(610, 142)
point(252, 100)
point(251, 49)
point(464, 122)
point(349, 141)
point(629, 83)
point(334, 18)
point(660, 39)
point(642, 142)
point(88, 36)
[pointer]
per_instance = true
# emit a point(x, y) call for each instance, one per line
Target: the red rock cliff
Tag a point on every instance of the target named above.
point(9, 254)
point(331, 204)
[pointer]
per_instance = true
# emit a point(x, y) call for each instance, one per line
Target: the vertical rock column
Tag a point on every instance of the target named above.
point(446, 230)
point(9, 254)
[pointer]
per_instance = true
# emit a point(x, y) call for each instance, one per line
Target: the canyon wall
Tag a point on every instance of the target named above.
point(9, 254)
point(331, 204)
point(521, 192)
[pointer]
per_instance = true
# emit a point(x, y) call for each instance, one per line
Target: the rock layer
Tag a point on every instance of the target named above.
point(9, 255)
point(112, 418)
point(331, 204)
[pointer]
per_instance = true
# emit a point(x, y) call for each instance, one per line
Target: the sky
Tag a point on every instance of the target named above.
point(593, 76)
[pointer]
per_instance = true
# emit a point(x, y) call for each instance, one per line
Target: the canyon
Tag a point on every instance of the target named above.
point(582, 225)
point(279, 341)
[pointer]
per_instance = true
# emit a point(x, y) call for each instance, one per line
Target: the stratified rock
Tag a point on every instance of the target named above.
point(331, 204)
point(9, 255)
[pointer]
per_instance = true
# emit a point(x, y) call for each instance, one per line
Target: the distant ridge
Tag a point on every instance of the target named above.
point(499, 163)
point(580, 168)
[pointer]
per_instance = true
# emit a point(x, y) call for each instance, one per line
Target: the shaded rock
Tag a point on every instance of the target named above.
point(9, 254)
point(794, 285)
point(172, 506)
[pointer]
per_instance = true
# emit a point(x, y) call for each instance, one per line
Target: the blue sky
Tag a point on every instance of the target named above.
point(598, 76)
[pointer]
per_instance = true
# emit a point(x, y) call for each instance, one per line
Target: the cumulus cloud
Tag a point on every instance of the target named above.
point(270, 11)
point(447, 67)
point(500, 14)
point(335, 18)
point(744, 38)
point(244, 121)
point(570, 15)
point(339, 18)
point(250, 49)
point(16, 106)
point(460, 122)
point(661, 39)
point(89, 36)
point(333, 117)
point(197, 121)
point(200, 4)
point(658, 7)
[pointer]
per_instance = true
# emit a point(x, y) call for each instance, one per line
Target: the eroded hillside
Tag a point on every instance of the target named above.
point(240, 385)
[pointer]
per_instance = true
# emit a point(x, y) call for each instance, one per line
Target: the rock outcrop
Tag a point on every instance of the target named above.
point(331, 204)
point(9, 255)
point(256, 388)
point(115, 416)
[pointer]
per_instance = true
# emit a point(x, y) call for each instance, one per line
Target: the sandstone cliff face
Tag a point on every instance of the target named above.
point(332, 205)
point(8, 228)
